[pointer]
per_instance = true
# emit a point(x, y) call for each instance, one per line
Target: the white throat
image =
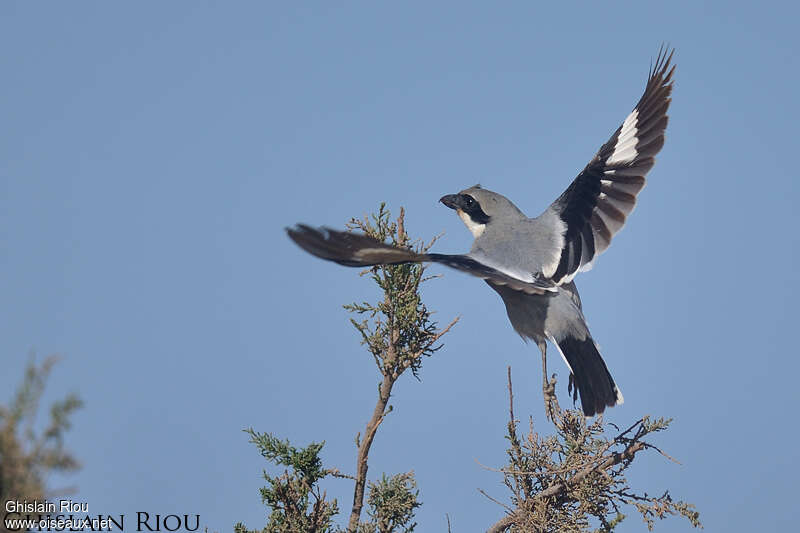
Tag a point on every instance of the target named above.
point(475, 228)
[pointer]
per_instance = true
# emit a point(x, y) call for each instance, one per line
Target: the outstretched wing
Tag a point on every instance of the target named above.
point(358, 250)
point(349, 249)
point(595, 205)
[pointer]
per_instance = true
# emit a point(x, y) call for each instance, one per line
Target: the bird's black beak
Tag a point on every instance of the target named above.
point(453, 201)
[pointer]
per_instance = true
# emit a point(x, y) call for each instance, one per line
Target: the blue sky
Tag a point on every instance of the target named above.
point(152, 153)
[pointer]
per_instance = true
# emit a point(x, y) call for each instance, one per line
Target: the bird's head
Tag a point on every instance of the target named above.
point(479, 207)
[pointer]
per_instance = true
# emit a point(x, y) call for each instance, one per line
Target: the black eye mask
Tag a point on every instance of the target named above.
point(471, 207)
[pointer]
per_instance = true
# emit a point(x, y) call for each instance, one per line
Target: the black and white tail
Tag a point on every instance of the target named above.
point(595, 385)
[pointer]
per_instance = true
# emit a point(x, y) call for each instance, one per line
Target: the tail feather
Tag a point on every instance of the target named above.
point(595, 385)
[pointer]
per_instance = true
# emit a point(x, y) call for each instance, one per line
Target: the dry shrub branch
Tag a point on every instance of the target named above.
point(574, 479)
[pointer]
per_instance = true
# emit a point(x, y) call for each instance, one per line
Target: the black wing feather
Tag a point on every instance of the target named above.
point(596, 204)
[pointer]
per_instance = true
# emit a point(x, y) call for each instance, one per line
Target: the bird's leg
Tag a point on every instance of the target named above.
point(548, 386)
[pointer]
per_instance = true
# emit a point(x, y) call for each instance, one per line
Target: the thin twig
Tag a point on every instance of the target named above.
point(435, 338)
point(509, 509)
point(510, 397)
point(335, 473)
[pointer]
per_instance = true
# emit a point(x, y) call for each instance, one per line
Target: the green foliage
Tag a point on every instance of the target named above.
point(294, 497)
point(298, 506)
point(392, 502)
point(28, 456)
point(397, 330)
point(305, 461)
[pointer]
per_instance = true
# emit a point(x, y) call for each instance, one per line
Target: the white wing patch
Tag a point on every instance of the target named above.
point(625, 149)
point(559, 230)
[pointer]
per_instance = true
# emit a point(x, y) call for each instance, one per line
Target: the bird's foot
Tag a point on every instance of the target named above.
point(572, 388)
point(550, 399)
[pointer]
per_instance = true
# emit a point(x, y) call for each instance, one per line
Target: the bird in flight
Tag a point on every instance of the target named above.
point(531, 262)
